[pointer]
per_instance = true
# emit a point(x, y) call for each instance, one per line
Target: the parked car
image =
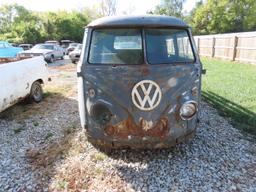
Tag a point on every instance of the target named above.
point(22, 79)
point(7, 50)
point(75, 55)
point(26, 46)
point(65, 43)
point(71, 47)
point(49, 51)
point(139, 82)
point(14, 44)
point(52, 42)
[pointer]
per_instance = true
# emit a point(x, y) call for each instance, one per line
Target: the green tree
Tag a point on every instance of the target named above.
point(224, 16)
point(20, 25)
point(17, 24)
point(169, 7)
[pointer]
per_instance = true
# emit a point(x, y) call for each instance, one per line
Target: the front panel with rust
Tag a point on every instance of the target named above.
point(138, 105)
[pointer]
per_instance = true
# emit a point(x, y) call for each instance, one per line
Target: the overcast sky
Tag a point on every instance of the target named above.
point(138, 6)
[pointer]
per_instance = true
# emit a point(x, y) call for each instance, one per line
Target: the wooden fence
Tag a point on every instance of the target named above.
point(233, 46)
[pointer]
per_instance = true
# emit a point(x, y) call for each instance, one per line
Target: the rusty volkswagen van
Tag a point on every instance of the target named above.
point(139, 82)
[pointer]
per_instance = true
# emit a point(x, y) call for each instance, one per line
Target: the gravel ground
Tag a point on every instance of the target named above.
point(219, 158)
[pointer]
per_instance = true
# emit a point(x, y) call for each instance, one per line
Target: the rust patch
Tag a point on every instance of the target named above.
point(177, 109)
point(145, 71)
point(9, 60)
point(128, 127)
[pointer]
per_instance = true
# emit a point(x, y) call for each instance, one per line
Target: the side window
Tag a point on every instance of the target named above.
point(183, 42)
point(170, 46)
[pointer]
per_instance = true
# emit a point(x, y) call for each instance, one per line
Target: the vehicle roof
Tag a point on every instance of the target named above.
point(143, 20)
point(3, 42)
point(25, 44)
point(71, 44)
point(66, 41)
point(51, 41)
point(46, 44)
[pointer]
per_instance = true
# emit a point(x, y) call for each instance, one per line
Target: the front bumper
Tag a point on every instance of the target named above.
point(141, 144)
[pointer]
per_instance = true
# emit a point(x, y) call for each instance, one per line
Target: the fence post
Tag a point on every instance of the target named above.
point(213, 46)
point(234, 48)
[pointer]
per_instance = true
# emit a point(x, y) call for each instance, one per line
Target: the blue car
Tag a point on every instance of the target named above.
point(7, 50)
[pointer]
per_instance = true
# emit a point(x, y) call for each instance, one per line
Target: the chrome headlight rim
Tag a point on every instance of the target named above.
point(195, 112)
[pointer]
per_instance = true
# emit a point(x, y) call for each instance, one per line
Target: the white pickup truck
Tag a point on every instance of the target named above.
point(20, 79)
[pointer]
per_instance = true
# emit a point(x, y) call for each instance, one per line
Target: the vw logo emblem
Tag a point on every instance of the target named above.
point(146, 95)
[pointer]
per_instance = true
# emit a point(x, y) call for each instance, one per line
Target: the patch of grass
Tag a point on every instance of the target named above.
point(65, 75)
point(231, 88)
point(70, 129)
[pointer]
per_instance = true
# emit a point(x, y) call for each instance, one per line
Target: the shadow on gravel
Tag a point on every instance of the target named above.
point(150, 167)
point(55, 150)
point(24, 110)
point(240, 117)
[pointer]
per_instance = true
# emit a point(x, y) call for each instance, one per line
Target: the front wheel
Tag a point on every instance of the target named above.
point(51, 59)
point(36, 92)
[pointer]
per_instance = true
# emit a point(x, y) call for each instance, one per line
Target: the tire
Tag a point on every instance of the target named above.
point(36, 92)
point(51, 60)
point(73, 61)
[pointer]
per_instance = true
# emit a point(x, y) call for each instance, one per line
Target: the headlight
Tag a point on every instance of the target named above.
point(100, 113)
point(188, 110)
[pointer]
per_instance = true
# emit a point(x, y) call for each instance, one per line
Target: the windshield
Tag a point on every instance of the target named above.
point(124, 46)
point(78, 47)
point(4, 45)
point(51, 47)
point(65, 45)
point(168, 46)
point(73, 44)
point(116, 46)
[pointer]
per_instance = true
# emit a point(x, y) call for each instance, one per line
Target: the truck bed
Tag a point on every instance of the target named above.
point(9, 60)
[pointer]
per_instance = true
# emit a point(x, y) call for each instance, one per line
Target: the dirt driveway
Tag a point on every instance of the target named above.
point(42, 148)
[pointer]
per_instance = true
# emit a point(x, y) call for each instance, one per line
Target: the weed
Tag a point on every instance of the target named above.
point(35, 123)
point(98, 171)
point(48, 136)
point(18, 130)
point(98, 156)
point(70, 129)
point(62, 185)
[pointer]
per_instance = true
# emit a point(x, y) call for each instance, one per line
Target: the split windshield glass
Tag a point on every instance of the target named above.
point(168, 46)
point(124, 46)
point(116, 46)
